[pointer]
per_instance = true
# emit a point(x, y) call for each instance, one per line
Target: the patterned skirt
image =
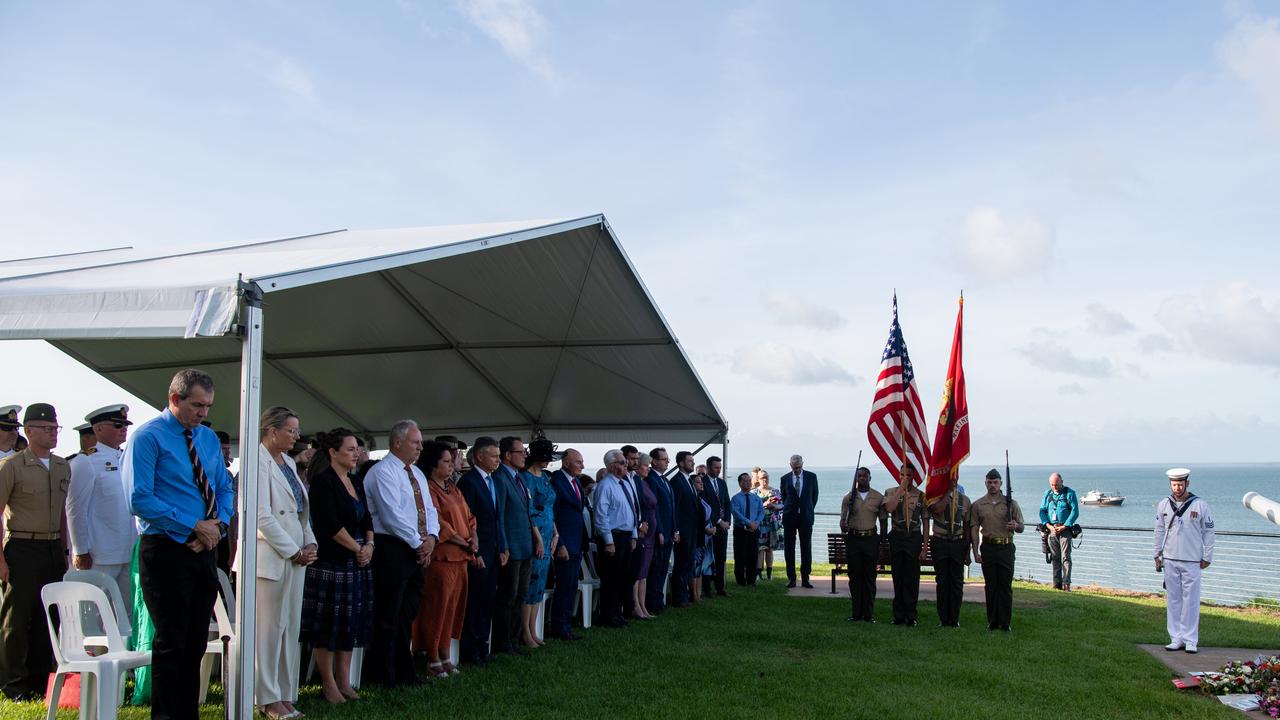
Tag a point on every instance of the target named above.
point(337, 606)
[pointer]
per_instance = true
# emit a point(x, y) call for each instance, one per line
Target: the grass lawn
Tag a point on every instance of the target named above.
point(797, 657)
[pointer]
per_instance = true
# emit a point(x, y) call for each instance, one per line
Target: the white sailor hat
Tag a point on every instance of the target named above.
point(117, 413)
point(1178, 474)
point(9, 417)
point(84, 428)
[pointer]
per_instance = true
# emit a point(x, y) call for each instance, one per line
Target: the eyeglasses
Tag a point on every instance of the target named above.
point(47, 428)
point(292, 431)
point(115, 424)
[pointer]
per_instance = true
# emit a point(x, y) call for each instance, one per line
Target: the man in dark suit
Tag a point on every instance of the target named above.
point(522, 545)
point(688, 527)
point(799, 497)
point(573, 534)
point(721, 514)
point(655, 599)
point(481, 491)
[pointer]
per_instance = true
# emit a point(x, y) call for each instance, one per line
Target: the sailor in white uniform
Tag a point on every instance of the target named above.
point(1183, 547)
point(9, 430)
point(102, 527)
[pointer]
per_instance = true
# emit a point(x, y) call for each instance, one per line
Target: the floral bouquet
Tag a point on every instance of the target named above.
point(1260, 675)
point(1269, 699)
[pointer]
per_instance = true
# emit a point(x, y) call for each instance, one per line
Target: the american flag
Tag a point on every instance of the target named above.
point(897, 419)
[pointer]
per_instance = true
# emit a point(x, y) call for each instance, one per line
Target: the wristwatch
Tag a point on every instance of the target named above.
point(222, 529)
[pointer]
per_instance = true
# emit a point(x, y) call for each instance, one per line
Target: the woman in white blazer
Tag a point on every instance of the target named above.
point(286, 546)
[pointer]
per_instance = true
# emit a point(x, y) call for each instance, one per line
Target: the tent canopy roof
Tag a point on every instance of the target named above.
point(469, 329)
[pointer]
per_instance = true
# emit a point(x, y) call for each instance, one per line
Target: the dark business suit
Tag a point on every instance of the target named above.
point(797, 518)
point(573, 533)
point(482, 583)
point(513, 579)
point(655, 597)
point(718, 496)
point(689, 522)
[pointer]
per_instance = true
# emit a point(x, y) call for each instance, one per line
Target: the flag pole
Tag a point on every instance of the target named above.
point(955, 470)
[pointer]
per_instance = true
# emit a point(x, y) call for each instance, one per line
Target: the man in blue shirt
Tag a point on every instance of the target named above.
point(748, 513)
point(1059, 510)
point(181, 493)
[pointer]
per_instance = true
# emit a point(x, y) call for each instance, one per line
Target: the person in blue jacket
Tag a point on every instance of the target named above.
point(1059, 510)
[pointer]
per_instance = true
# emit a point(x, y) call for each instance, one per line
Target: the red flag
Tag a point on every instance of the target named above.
point(951, 441)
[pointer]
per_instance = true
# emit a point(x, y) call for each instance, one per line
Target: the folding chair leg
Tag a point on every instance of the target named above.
point(357, 662)
point(107, 703)
point(206, 667)
point(455, 651)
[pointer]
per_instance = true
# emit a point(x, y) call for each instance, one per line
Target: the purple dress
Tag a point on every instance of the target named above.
point(644, 546)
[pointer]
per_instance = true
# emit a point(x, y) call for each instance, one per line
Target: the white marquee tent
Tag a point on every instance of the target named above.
point(469, 329)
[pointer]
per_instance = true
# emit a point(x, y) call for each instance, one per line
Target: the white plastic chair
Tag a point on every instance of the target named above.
point(587, 587)
point(100, 675)
point(89, 617)
point(540, 621)
point(213, 650)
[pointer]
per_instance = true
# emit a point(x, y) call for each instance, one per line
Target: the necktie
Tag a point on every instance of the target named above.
point(417, 500)
point(799, 483)
point(493, 496)
point(573, 483)
point(631, 500)
point(202, 481)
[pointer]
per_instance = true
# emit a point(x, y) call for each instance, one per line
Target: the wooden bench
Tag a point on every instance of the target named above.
point(839, 558)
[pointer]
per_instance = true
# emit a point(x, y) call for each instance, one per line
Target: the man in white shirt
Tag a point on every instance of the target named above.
point(1183, 547)
point(615, 529)
point(98, 515)
point(9, 430)
point(406, 528)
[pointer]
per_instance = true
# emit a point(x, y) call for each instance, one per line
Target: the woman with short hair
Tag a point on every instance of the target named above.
point(444, 581)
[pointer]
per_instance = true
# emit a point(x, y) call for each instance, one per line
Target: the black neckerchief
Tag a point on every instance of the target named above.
point(1178, 512)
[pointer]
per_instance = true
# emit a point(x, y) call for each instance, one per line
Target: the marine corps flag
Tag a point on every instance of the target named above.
point(951, 441)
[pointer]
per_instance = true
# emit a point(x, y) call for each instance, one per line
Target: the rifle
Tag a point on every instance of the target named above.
point(1008, 486)
point(855, 471)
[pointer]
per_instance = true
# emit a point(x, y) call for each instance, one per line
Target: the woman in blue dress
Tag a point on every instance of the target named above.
point(542, 500)
point(704, 554)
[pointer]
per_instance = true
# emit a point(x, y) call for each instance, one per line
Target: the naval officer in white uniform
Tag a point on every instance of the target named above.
point(1183, 547)
point(102, 527)
point(9, 430)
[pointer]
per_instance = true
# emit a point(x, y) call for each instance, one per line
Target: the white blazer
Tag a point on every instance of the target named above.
point(282, 529)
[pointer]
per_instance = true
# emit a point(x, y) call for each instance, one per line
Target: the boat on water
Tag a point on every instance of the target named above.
point(1098, 497)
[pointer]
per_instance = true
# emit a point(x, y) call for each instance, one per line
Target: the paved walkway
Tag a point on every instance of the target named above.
point(973, 591)
point(1207, 660)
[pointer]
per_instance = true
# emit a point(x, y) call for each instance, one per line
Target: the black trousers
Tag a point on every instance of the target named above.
point(948, 561)
point(513, 586)
point(863, 553)
point(179, 587)
point(655, 596)
point(482, 588)
point(744, 556)
point(997, 576)
point(806, 549)
point(26, 655)
point(682, 573)
point(397, 595)
point(567, 574)
point(904, 553)
point(615, 575)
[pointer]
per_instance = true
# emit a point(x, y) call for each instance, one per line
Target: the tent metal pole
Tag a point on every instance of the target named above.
point(242, 674)
point(724, 456)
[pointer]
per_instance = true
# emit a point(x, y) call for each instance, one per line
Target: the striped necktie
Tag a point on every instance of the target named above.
point(202, 481)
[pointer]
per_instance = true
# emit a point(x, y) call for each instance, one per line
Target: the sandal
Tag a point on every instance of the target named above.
point(450, 667)
point(436, 670)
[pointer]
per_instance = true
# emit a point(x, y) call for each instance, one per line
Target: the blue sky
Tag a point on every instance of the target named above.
point(1099, 178)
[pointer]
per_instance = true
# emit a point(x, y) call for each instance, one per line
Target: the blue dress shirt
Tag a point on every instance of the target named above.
point(160, 482)
point(747, 508)
point(1060, 508)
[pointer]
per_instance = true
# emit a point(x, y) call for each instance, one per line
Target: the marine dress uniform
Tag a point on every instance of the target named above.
point(990, 515)
point(860, 512)
point(905, 541)
point(33, 495)
point(950, 544)
point(1183, 545)
point(98, 514)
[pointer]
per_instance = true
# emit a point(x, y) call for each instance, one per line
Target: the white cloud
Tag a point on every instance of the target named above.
point(1252, 52)
point(1234, 324)
point(1154, 343)
point(790, 309)
point(1102, 320)
point(1072, 389)
point(281, 72)
point(784, 365)
point(997, 246)
point(1048, 354)
point(517, 26)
